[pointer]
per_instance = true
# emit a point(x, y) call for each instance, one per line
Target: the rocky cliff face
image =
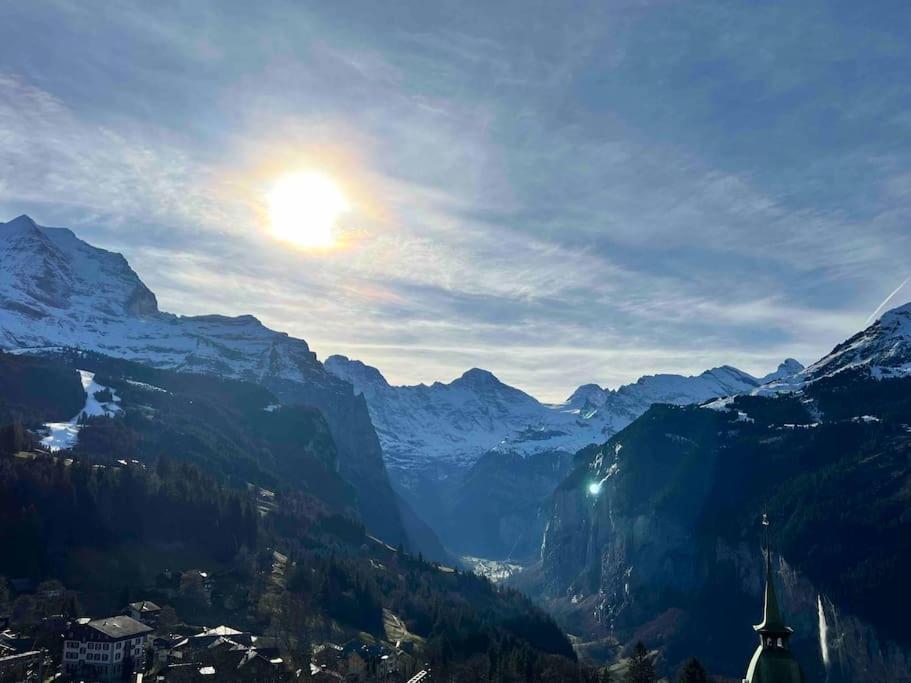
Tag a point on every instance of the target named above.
point(58, 291)
point(654, 536)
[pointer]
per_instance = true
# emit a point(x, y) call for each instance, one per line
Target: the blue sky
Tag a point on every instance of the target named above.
point(558, 193)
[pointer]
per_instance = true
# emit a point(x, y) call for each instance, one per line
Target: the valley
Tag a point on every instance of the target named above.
point(624, 514)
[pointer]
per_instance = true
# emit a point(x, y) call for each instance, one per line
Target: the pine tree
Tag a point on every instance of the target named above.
point(693, 672)
point(641, 669)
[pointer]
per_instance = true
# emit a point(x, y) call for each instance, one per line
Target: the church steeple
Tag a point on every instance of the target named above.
point(773, 661)
point(772, 623)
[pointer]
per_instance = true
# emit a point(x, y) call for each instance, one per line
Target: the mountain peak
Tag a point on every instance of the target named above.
point(897, 313)
point(364, 378)
point(479, 377)
point(588, 394)
point(883, 349)
point(22, 222)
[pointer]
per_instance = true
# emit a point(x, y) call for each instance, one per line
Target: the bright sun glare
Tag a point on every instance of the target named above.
point(304, 208)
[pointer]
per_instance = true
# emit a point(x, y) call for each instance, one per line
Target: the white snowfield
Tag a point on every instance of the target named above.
point(458, 422)
point(65, 434)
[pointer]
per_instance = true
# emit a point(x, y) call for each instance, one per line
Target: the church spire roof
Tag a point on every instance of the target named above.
point(772, 621)
point(772, 661)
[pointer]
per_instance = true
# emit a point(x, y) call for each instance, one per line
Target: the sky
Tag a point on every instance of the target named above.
point(560, 193)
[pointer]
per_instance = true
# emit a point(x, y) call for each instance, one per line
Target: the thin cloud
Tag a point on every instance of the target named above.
point(562, 198)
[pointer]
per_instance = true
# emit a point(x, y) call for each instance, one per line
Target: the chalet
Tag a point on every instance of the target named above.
point(12, 642)
point(169, 647)
point(105, 649)
point(226, 659)
point(144, 611)
point(22, 666)
point(209, 636)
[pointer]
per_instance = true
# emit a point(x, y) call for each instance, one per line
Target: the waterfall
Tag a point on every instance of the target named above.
point(823, 632)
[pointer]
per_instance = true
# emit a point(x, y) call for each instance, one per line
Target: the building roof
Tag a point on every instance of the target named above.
point(219, 631)
point(171, 640)
point(145, 606)
point(119, 627)
point(774, 665)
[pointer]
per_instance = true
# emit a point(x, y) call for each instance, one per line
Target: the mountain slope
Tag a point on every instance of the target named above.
point(456, 423)
point(58, 291)
point(478, 458)
point(883, 349)
point(654, 533)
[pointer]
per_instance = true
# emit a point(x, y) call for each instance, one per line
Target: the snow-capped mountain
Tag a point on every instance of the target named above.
point(458, 422)
point(453, 422)
point(883, 349)
point(59, 291)
point(56, 290)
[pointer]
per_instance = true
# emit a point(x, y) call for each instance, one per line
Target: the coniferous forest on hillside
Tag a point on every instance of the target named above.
point(170, 483)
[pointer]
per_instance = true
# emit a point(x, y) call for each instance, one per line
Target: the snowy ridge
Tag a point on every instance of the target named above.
point(883, 349)
point(456, 423)
point(56, 290)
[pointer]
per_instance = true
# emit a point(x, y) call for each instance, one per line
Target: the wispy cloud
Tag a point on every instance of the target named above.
point(560, 197)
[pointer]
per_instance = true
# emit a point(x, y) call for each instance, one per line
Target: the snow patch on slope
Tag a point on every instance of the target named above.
point(65, 434)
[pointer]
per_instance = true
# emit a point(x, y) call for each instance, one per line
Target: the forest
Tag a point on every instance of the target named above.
point(174, 478)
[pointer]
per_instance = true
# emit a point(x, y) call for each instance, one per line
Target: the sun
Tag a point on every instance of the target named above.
point(304, 208)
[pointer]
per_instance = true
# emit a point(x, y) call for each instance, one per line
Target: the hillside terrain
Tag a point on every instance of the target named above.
point(479, 458)
point(652, 527)
point(198, 472)
point(57, 291)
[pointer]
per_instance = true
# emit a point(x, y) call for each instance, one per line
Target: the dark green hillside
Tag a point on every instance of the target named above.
point(681, 511)
point(50, 512)
point(33, 390)
point(851, 394)
point(164, 485)
point(222, 426)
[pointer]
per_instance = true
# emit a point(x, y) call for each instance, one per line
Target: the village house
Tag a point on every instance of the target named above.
point(208, 636)
point(169, 647)
point(144, 611)
point(22, 666)
point(105, 649)
point(225, 653)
